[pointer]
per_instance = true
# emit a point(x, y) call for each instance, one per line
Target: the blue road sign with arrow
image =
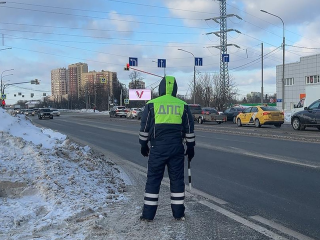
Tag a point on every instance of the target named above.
point(133, 62)
point(225, 57)
point(162, 63)
point(198, 61)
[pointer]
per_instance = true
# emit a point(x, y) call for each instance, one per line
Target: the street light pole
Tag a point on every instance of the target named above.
point(194, 75)
point(283, 55)
point(2, 77)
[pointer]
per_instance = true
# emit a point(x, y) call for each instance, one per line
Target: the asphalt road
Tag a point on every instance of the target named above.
point(266, 173)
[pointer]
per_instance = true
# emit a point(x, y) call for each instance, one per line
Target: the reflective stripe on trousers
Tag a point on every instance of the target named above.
point(160, 156)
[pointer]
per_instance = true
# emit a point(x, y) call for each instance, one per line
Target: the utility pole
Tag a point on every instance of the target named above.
point(224, 83)
point(261, 73)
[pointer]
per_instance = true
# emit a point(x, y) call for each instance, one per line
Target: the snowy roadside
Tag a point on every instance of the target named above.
point(48, 183)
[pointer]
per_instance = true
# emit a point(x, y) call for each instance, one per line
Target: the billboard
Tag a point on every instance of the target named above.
point(139, 94)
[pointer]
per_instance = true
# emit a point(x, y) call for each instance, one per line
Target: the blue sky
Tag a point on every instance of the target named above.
point(46, 35)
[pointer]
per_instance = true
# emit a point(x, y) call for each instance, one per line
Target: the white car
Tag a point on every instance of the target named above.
point(133, 112)
point(55, 112)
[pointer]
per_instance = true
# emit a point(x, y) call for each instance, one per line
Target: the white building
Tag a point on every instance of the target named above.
point(297, 76)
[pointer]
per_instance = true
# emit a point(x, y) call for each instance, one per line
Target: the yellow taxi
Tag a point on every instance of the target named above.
point(260, 115)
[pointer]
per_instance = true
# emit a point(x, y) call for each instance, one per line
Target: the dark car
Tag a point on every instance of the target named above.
point(232, 113)
point(118, 111)
point(195, 109)
point(309, 117)
point(45, 113)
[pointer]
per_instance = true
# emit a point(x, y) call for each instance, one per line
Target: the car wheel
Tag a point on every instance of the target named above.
point(257, 123)
point(51, 117)
point(219, 122)
point(40, 117)
point(278, 125)
point(239, 124)
point(200, 120)
point(296, 124)
point(234, 120)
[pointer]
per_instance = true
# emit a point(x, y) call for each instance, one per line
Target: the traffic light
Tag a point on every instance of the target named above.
point(127, 67)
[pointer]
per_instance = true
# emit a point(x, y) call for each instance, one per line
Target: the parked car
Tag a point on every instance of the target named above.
point(260, 115)
point(22, 111)
point(45, 113)
point(55, 112)
point(309, 117)
point(195, 109)
point(16, 110)
point(232, 113)
point(133, 112)
point(210, 115)
point(29, 112)
point(139, 114)
point(118, 111)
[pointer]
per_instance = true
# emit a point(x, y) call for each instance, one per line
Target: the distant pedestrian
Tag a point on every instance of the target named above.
point(166, 121)
point(94, 109)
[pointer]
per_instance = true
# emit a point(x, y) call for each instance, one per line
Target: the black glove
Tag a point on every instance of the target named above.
point(190, 152)
point(145, 151)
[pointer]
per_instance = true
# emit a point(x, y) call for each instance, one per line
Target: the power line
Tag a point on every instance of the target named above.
point(86, 36)
point(101, 30)
point(132, 3)
point(113, 19)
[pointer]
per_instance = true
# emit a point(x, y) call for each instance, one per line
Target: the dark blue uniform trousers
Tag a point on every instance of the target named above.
point(160, 156)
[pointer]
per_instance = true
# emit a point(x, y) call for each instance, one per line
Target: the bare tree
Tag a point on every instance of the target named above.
point(135, 76)
point(207, 91)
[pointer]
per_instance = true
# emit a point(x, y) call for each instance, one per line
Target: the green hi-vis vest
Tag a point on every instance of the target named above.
point(168, 109)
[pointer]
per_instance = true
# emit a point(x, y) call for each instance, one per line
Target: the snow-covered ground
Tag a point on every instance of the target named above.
point(50, 187)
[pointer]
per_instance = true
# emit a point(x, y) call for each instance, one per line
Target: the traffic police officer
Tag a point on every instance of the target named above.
point(165, 123)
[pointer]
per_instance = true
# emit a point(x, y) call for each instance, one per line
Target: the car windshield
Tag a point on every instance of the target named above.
point(268, 108)
point(45, 110)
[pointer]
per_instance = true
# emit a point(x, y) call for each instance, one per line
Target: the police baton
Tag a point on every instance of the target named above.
point(189, 173)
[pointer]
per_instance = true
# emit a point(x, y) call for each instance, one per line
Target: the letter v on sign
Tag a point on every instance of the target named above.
point(139, 94)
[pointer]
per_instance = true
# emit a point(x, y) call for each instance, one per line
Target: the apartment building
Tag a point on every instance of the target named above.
point(59, 84)
point(103, 81)
point(75, 72)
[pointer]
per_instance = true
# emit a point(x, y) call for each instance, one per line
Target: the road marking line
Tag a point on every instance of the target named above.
point(281, 228)
point(243, 221)
point(257, 155)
